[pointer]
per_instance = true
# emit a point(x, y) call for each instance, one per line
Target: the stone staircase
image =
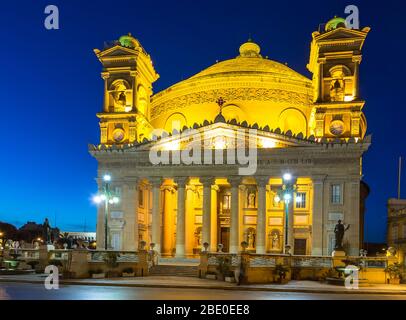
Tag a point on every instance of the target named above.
point(175, 267)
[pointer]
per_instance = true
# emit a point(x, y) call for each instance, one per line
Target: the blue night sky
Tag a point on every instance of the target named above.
point(51, 87)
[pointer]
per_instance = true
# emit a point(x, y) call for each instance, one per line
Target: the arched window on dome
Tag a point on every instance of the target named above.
point(232, 111)
point(175, 121)
point(294, 120)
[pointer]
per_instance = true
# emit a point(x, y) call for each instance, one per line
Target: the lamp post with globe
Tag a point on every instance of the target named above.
point(108, 197)
point(285, 193)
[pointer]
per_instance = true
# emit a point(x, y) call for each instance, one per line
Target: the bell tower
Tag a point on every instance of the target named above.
point(128, 74)
point(335, 56)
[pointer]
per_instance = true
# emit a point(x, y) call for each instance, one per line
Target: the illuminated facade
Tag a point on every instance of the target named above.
point(313, 129)
point(396, 232)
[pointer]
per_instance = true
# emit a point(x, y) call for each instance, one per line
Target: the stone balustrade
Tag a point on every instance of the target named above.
point(259, 268)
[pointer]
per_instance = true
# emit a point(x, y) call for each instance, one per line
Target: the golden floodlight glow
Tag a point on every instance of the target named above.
point(348, 98)
point(268, 143)
point(220, 142)
point(171, 145)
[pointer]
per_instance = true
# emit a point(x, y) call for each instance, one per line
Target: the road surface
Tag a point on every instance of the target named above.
point(24, 291)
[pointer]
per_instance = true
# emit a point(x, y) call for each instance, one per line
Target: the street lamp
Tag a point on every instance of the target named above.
point(108, 197)
point(286, 192)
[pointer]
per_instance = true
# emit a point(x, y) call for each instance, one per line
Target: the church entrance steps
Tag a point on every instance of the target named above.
point(174, 270)
point(179, 261)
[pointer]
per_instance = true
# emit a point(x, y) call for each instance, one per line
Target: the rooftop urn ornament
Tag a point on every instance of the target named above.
point(206, 246)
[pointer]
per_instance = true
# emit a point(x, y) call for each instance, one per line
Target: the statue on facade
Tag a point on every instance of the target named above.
point(251, 200)
point(339, 231)
point(251, 239)
point(46, 230)
point(275, 241)
point(198, 237)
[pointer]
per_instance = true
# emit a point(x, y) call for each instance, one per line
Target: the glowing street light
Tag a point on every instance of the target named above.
point(287, 177)
point(286, 192)
point(108, 197)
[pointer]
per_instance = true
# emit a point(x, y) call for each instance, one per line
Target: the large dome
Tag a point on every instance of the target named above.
point(255, 89)
point(249, 63)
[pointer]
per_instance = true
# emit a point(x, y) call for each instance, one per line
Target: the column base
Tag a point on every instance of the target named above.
point(234, 249)
point(180, 251)
point(260, 250)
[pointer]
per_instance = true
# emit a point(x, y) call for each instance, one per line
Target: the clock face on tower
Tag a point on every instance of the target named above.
point(337, 127)
point(118, 135)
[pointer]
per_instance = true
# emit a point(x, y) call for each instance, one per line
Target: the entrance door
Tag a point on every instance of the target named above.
point(225, 238)
point(300, 247)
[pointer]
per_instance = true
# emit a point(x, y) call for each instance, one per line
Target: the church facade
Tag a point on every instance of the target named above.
point(247, 152)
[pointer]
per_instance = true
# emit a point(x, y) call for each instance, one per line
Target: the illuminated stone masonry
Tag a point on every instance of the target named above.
point(250, 109)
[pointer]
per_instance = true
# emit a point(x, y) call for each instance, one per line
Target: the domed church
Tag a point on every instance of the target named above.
point(247, 154)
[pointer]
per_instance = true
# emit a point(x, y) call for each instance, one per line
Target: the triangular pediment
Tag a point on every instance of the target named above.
point(224, 136)
point(115, 51)
point(343, 33)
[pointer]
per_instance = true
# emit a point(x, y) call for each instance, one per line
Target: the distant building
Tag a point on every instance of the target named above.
point(88, 236)
point(397, 226)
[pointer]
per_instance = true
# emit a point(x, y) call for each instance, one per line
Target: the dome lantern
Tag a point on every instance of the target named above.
point(128, 41)
point(250, 49)
point(335, 23)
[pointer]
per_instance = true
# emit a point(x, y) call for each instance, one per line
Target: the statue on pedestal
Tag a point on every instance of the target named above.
point(339, 232)
point(46, 230)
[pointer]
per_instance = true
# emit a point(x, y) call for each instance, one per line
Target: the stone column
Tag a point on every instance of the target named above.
point(130, 208)
point(357, 61)
point(207, 183)
point(156, 214)
point(351, 216)
point(105, 76)
point(214, 222)
point(317, 216)
point(133, 74)
point(234, 225)
point(100, 220)
point(180, 223)
point(168, 221)
point(261, 216)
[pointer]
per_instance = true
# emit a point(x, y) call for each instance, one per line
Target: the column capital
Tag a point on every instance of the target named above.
point(155, 181)
point(181, 181)
point(168, 188)
point(105, 75)
point(318, 178)
point(235, 181)
point(262, 181)
point(131, 182)
point(207, 181)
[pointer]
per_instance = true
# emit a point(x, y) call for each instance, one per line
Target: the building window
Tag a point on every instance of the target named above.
point(117, 191)
point(300, 202)
point(336, 194)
